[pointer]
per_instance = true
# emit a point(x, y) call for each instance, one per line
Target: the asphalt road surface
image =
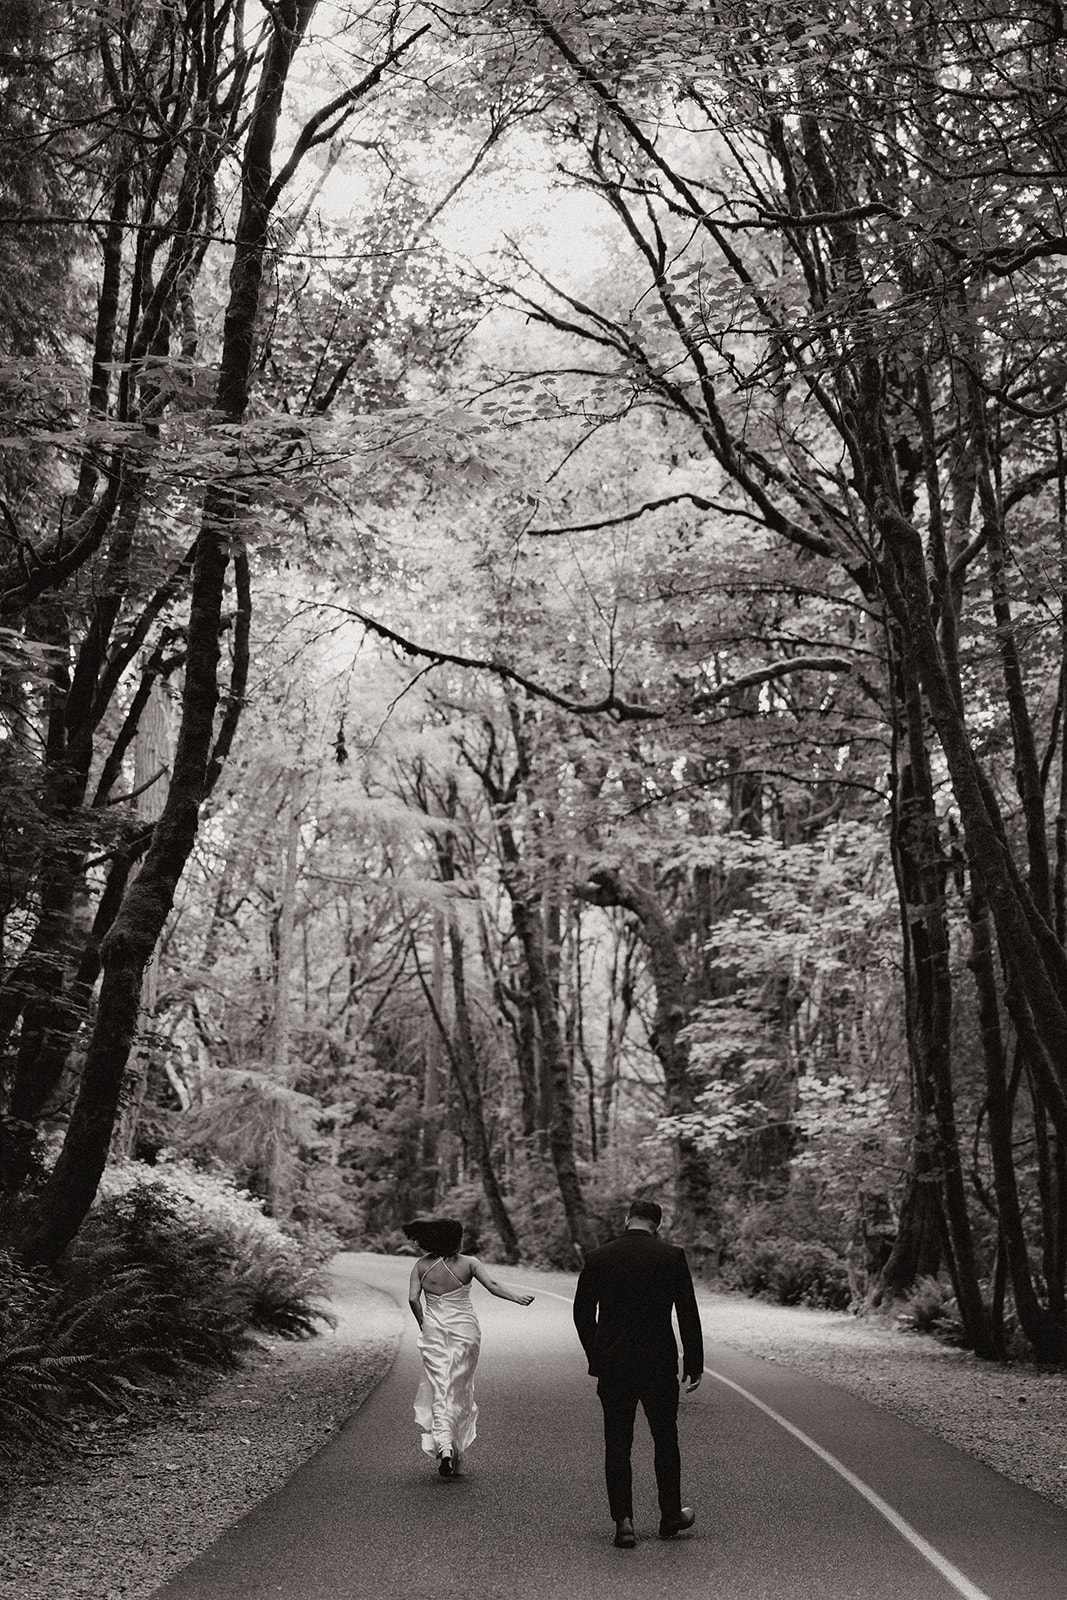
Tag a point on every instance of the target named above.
point(801, 1492)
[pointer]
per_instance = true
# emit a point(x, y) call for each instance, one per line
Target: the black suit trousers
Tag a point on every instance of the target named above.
point(658, 1396)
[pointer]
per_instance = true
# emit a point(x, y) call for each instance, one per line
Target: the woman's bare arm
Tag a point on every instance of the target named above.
point(498, 1289)
point(415, 1294)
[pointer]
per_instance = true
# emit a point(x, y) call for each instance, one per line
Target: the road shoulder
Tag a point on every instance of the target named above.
point(140, 1504)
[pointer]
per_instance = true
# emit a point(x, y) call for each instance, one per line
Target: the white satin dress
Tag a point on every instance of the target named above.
point(445, 1409)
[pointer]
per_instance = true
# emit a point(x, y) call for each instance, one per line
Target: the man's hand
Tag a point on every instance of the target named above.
point(693, 1382)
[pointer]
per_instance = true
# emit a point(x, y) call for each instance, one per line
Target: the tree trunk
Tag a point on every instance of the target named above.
point(432, 1066)
point(1045, 1330)
point(916, 1251)
point(150, 765)
point(459, 1044)
point(465, 1061)
point(54, 1216)
point(1028, 945)
point(692, 1175)
point(531, 934)
point(527, 912)
point(283, 979)
point(921, 873)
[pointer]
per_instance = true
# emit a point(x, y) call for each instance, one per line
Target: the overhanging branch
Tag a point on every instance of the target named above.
point(698, 500)
point(768, 674)
point(609, 704)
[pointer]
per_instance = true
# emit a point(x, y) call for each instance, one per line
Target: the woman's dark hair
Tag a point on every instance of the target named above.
point(436, 1236)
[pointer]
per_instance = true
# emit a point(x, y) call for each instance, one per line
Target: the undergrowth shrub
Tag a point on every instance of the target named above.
point(930, 1307)
point(791, 1272)
point(170, 1272)
point(31, 1374)
point(280, 1274)
point(176, 1298)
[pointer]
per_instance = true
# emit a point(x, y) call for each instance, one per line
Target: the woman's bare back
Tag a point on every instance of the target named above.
point(442, 1275)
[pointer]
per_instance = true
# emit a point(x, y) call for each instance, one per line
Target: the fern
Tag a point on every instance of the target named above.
point(156, 1283)
point(29, 1375)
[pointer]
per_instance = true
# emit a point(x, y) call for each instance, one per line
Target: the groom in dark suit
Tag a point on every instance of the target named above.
point(622, 1311)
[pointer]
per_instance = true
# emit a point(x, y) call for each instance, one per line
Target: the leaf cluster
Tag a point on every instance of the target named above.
point(156, 1284)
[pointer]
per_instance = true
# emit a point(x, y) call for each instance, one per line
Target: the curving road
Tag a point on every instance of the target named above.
point(802, 1492)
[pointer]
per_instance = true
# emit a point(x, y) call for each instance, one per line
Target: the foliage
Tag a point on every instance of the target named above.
point(267, 1136)
point(35, 1369)
point(853, 368)
point(931, 1308)
point(647, 642)
point(796, 1060)
point(215, 1218)
point(172, 1271)
point(790, 1272)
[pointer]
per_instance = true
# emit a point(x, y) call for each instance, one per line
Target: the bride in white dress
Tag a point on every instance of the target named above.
point(449, 1338)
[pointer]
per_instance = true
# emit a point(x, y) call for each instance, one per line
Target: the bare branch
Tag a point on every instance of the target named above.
point(329, 119)
point(767, 674)
point(610, 704)
point(698, 500)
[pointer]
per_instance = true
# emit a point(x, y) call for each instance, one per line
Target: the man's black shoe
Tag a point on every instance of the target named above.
point(669, 1526)
point(624, 1533)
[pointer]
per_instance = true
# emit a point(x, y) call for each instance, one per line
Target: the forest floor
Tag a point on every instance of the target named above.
point(140, 1499)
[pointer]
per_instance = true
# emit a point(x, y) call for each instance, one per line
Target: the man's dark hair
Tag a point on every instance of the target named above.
point(437, 1236)
point(646, 1211)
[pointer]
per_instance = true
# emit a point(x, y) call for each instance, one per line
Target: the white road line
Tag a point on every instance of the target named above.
point(951, 1574)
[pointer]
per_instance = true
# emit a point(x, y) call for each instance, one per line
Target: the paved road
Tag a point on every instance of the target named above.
point(802, 1493)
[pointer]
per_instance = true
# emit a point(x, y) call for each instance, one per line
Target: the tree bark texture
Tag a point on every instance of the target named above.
point(1033, 957)
point(609, 886)
point(1044, 1327)
point(56, 1213)
point(530, 931)
point(921, 872)
point(465, 1063)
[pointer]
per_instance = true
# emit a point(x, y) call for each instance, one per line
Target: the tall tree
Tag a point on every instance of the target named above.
point(826, 300)
point(234, 91)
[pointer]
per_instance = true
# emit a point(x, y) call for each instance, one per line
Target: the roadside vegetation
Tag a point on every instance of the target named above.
point(173, 1275)
point(533, 658)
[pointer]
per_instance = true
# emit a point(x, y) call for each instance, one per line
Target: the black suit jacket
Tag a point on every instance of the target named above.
point(622, 1310)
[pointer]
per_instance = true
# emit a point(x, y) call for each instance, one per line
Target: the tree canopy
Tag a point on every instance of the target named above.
point(534, 560)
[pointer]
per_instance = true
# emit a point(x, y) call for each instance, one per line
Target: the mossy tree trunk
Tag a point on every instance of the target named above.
point(53, 1217)
point(610, 887)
